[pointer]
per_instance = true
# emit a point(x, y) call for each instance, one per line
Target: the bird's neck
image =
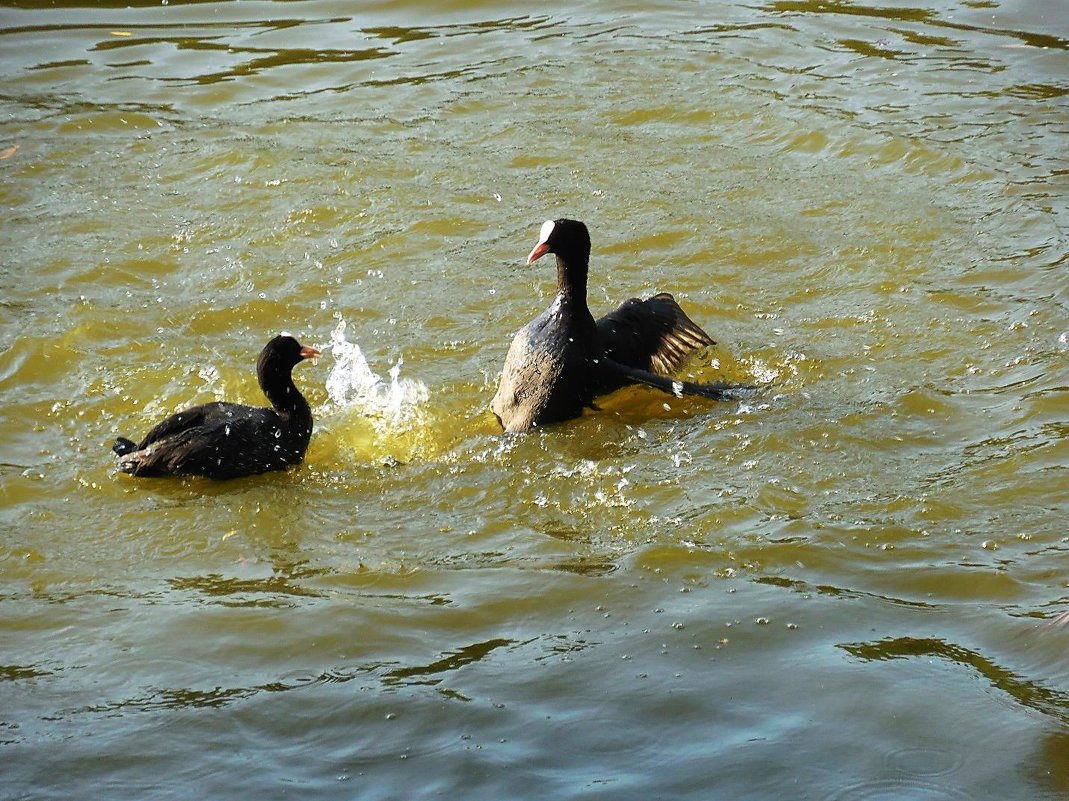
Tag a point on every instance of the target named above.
point(571, 281)
point(284, 396)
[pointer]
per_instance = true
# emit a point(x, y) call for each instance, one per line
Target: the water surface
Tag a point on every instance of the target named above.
point(848, 589)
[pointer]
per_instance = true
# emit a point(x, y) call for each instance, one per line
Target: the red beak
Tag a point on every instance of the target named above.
point(309, 353)
point(540, 250)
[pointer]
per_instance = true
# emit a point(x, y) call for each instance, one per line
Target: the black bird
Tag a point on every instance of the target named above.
point(228, 440)
point(560, 361)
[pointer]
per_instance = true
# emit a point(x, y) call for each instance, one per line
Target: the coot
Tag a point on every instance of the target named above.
point(560, 361)
point(229, 440)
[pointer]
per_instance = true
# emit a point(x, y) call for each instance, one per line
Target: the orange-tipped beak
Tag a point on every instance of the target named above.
point(540, 250)
point(309, 353)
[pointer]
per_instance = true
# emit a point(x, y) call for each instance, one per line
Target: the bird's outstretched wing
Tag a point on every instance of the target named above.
point(654, 334)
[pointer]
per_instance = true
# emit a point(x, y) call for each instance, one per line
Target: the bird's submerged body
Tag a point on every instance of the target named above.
point(562, 360)
point(229, 440)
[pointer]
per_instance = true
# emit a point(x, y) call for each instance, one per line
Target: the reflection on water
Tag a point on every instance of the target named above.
point(279, 586)
point(864, 202)
point(388, 676)
point(929, 17)
point(1027, 693)
point(22, 672)
point(460, 658)
point(252, 60)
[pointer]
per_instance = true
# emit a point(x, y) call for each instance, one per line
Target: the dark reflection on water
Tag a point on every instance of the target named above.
point(60, 105)
point(836, 592)
point(79, 594)
point(457, 659)
point(219, 586)
point(400, 35)
point(1027, 693)
point(117, 4)
point(432, 599)
point(22, 672)
point(920, 15)
point(259, 59)
point(74, 62)
point(389, 677)
point(869, 48)
point(1051, 763)
point(851, 9)
point(283, 583)
point(583, 567)
point(1037, 91)
point(265, 58)
point(166, 698)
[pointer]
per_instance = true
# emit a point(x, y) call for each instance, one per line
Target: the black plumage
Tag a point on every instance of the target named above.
point(228, 440)
point(560, 361)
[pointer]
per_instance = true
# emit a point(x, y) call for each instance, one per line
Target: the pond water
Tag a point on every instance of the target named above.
point(853, 587)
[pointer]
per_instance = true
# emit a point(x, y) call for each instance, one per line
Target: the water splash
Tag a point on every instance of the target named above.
point(352, 384)
point(765, 372)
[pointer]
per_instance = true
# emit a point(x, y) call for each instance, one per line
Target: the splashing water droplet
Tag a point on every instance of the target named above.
point(352, 383)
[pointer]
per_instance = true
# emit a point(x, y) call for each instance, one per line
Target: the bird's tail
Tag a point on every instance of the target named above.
point(720, 390)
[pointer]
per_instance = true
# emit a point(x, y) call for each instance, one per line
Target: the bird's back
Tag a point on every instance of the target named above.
point(217, 440)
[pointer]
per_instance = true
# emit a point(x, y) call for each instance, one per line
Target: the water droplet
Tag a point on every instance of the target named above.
point(352, 383)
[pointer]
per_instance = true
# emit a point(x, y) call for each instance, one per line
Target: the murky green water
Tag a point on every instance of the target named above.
point(848, 590)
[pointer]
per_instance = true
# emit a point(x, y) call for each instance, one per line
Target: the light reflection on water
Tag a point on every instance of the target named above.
point(848, 588)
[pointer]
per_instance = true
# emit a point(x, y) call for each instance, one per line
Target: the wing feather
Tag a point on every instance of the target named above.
point(654, 334)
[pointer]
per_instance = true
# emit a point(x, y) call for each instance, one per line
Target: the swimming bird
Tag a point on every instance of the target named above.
point(228, 440)
point(560, 361)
